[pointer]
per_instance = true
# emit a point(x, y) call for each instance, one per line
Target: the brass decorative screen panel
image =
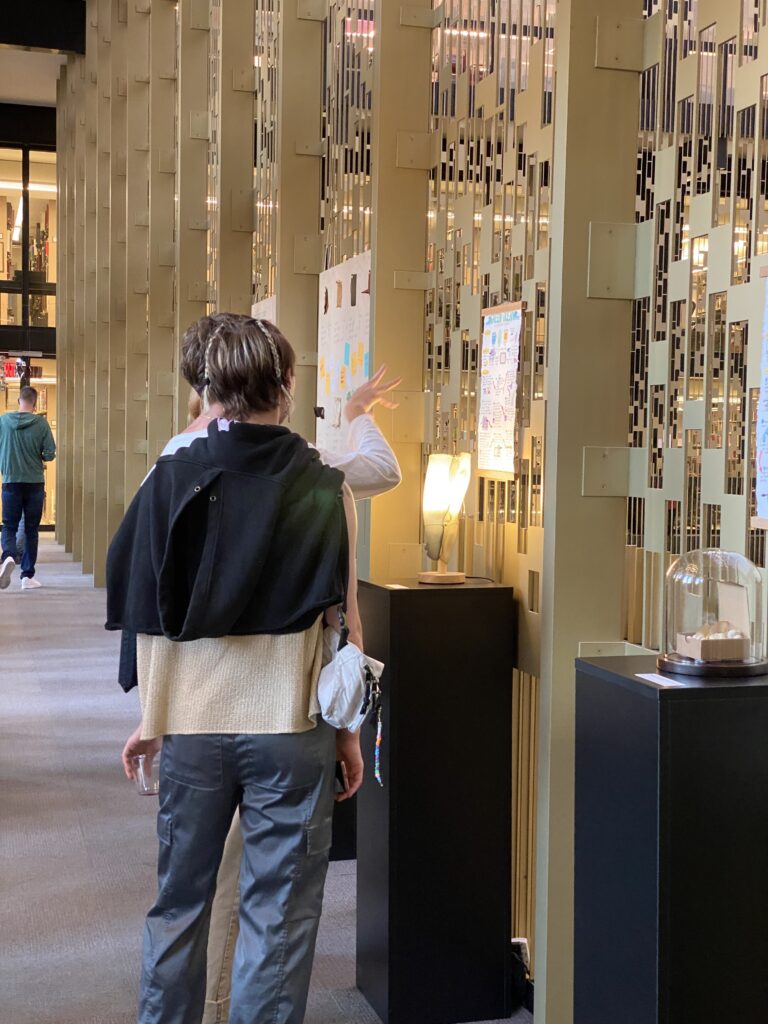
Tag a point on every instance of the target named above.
point(488, 243)
point(214, 152)
point(265, 173)
point(345, 189)
point(701, 208)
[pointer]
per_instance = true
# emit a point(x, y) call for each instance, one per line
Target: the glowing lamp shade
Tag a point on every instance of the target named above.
point(445, 486)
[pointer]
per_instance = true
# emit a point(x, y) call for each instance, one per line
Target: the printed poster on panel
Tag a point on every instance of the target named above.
point(499, 357)
point(266, 309)
point(343, 344)
point(761, 454)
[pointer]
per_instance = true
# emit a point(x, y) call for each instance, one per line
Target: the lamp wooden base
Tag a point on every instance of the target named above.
point(442, 578)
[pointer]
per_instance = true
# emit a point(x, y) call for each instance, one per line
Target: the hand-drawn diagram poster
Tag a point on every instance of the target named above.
point(343, 343)
point(499, 359)
point(761, 454)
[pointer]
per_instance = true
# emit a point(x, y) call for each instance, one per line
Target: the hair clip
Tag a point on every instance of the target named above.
point(273, 348)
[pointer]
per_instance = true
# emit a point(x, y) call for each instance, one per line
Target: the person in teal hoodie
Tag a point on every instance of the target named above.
point(26, 442)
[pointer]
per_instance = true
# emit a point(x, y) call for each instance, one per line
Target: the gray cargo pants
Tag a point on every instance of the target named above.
point(283, 785)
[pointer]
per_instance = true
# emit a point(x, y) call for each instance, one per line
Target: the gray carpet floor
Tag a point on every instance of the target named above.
point(77, 844)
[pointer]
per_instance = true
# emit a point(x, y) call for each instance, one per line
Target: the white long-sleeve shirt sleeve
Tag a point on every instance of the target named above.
point(369, 464)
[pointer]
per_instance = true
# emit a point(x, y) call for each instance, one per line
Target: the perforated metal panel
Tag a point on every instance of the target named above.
point(266, 176)
point(488, 243)
point(702, 189)
point(345, 203)
point(214, 153)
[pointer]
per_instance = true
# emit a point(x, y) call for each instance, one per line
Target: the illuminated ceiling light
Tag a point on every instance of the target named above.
point(16, 236)
point(34, 186)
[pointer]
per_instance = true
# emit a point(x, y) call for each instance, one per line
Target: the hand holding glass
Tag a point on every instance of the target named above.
point(146, 772)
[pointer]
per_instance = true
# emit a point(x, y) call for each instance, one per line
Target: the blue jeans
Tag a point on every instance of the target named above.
point(21, 540)
point(22, 500)
point(283, 785)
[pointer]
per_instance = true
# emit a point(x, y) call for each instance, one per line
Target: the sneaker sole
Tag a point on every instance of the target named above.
point(6, 572)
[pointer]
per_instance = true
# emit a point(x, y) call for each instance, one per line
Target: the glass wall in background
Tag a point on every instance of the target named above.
point(28, 225)
point(42, 377)
point(28, 203)
point(42, 239)
point(11, 225)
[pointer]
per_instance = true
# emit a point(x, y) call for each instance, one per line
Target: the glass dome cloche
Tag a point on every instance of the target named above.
point(715, 623)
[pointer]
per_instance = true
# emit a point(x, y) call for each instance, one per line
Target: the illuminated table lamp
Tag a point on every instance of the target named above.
point(445, 486)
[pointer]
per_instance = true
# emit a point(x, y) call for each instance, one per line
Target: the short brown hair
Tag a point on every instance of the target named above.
point(28, 394)
point(244, 364)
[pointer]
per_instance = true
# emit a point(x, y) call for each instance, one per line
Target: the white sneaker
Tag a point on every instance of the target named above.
point(28, 583)
point(6, 571)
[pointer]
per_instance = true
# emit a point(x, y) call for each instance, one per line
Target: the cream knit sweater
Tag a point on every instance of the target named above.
point(234, 684)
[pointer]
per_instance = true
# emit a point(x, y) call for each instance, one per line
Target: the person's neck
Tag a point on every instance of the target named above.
point(267, 419)
point(270, 418)
point(24, 408)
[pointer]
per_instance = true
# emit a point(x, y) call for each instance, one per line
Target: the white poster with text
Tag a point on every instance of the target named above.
point(266, 309)
point(343, 344)
point(499, 358)
point(761, 439)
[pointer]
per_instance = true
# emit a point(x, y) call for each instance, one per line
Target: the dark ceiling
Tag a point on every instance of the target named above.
point(57, 25)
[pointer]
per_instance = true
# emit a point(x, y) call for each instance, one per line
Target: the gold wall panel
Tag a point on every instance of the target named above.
point(192, 206)
point(488, 243)
point(701, 203)
point(346, 130)
point(266, 157)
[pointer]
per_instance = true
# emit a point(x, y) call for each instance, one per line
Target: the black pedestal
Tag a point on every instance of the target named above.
point(434, 845)
point(343, 846)
point(671, 923)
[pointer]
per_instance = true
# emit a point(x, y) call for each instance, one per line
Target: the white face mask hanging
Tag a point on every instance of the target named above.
point(348, 689)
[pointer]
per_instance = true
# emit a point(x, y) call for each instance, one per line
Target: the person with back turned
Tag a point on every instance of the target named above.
point(251, 550)
point(26, 442)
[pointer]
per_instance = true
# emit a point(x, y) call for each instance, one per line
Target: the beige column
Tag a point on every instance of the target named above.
point(298, 248)
point(62, 277)
point(234, 198)
point(191, 178)
point(89, 287)
point(596, 116)
point(69, 254)
point(137, 245)
point(117, 267)
point(399, 233)
point(100, 450)
point(78, 349)
point(162, 253)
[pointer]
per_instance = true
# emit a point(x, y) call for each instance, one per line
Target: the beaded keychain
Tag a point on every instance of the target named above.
point(372, 700)
point(376, 694)
point(377, 754)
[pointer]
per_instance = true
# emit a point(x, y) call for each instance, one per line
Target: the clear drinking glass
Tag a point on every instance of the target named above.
point(147, 774)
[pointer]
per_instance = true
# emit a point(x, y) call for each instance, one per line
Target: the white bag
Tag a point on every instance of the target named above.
point(348, 687)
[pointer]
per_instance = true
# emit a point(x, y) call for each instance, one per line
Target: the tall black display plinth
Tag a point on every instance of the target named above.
point(434, 845)
point(671, 847)
point(343, 845)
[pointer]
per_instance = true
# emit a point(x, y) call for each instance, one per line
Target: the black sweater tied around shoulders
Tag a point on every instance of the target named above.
point(241, 533)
